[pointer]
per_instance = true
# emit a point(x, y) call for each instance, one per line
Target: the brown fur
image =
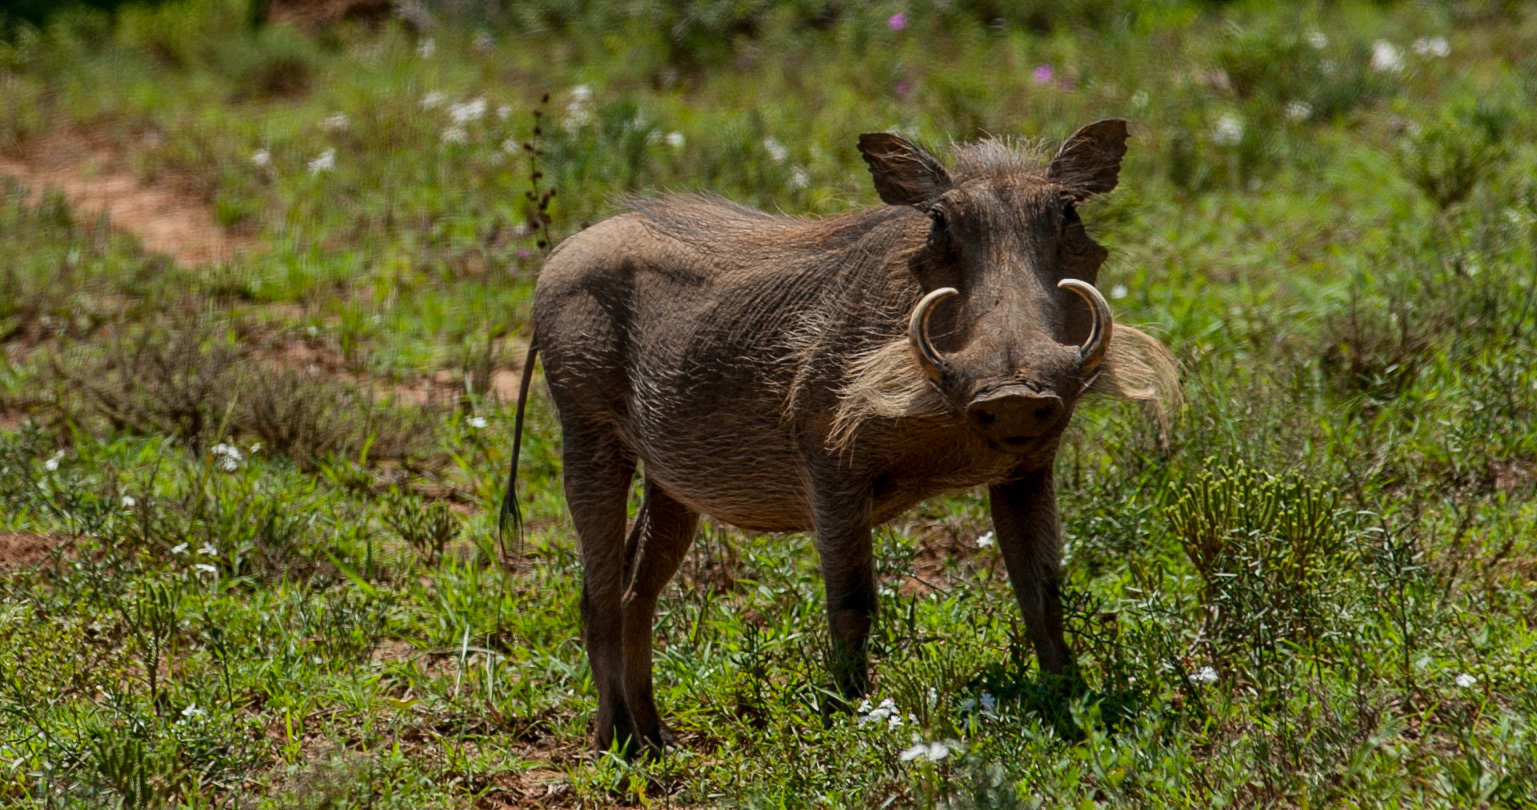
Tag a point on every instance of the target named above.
point(755, 369)
point(888, 384)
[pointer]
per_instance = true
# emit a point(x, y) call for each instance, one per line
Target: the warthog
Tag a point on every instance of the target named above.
point(784, 374)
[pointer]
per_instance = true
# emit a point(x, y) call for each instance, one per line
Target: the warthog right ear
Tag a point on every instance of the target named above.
point(1089, 161)
point(904, 174)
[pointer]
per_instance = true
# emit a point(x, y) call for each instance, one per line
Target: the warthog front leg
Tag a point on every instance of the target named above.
point(598, 470)
point(1025, 520)
point(664, 529)
point(842, 520)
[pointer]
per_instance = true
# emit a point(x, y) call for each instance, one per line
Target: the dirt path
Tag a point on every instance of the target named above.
point(165, 219)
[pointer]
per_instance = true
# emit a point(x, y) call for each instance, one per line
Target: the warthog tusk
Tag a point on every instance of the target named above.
point(918, 333)
point(1100, 329)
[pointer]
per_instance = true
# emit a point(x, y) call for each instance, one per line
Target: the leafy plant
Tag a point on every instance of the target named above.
point(426, 527)
point(1448, 157)
point(1273, 554)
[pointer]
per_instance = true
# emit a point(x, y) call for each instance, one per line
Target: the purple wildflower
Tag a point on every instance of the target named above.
point(897, 21)
point(1044, 74)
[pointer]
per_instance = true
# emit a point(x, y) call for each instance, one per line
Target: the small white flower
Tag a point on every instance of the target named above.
point(455, 135)
point(1118, 291)
point(989, 703)
point(579, 108)
point(208, 550)
point(261, 157)
point(1318, 39)
point(468, 112)
point(1299, 111)
point(334, 123)
point(1386, 57)
point(1228, 131)
point(228, 451)
point(476, 422)
point(933, 752)
point(229, 456)
point(1139, 99)
point(129, 502)
point(192, 711)
point(256, 447)
point(1466, 681)
point(483, 41)
point(324, 163)
point(181, 549)
point(1433, 46)
point(886, 712)
point(53, 463)
point(776, 150)
point(433, 99)
point(673, 139)
point(986, 540)
point(511, 146)
point(799, 179)
point(504, 112)
point(1205, 675)
point(426, 48)
point(205, 568)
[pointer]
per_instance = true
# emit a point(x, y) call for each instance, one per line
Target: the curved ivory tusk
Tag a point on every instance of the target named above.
point(918, 333)
point(1100, 329)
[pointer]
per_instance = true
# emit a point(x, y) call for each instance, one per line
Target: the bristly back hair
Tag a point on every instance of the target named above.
point(994, 155)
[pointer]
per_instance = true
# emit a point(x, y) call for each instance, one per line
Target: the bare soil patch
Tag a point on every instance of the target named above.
point(318, 357)
point(11, 418)
point(164, 216)
point(25, 549)
point(310, 15)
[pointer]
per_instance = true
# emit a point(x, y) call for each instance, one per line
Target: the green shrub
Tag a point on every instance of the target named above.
point(1449, 156)
point(1274, 556)
point(183, 33)
point(426, 527)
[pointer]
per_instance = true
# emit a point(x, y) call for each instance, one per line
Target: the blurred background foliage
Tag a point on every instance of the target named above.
point(247, 503)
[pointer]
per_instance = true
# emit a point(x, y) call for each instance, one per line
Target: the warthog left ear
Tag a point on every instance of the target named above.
point(1089, 161)
point(904, 173)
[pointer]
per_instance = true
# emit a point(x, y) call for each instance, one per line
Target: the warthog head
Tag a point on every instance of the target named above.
point(1010, 331)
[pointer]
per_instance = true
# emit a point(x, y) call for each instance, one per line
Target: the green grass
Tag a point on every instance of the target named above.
point(329, 622)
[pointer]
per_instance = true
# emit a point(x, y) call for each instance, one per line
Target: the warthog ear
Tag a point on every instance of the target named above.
point(1089, 161)
point(904, 174)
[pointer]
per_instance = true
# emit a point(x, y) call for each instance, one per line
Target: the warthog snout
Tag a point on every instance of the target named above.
point(1014, 415)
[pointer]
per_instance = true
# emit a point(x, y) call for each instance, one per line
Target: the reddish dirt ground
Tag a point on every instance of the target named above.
point(164, 218)
point(24, 549)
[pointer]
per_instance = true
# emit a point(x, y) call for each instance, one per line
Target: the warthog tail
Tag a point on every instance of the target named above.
point(511, 513)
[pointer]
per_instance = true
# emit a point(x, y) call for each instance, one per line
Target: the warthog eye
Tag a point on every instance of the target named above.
point(1070, 216)
point(940, 219)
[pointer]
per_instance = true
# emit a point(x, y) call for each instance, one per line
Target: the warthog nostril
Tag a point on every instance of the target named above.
point(1013, 419)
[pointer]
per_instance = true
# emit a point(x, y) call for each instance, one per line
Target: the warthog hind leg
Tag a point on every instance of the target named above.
point(598, 471)
point(663, 532)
